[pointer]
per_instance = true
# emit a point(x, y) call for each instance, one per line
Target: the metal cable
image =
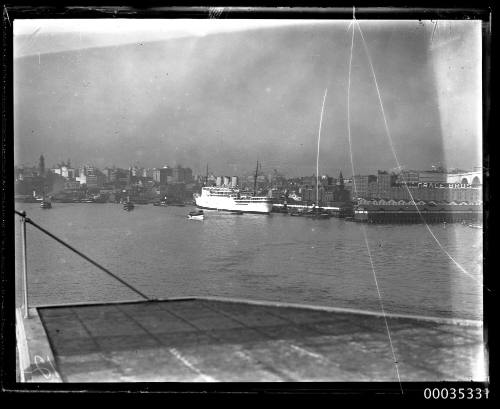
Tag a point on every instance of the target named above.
point(28, 220)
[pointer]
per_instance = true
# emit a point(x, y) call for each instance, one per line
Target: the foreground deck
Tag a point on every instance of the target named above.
point(211, 340)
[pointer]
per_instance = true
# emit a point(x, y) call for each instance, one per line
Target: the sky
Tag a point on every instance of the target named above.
point(231, 92)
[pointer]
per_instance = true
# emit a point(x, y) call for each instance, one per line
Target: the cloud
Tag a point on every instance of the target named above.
point(41, 36)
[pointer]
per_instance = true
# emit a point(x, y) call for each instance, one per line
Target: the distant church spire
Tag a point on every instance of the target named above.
point(41, 166)
point(341, 180)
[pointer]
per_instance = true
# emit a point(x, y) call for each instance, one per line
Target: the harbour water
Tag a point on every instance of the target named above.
point(272, 258)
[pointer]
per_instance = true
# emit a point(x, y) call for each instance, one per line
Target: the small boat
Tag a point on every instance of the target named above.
point(475, 226)
point(45, 204)
point(196, 215)
point(128, 205)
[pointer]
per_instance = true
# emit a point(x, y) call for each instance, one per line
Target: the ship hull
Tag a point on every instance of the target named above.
point(231, 205)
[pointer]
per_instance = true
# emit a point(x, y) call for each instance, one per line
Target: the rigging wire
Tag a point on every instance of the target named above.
point(391, 143)
point(53, 236)
point(362, 226)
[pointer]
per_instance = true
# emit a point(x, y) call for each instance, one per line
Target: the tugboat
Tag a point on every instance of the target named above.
point(45, 204)
point(128, 205)
point(196, 215)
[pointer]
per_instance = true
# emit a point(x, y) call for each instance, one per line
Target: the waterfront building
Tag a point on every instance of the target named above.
point(408, 176)
point(429, 176)
point(188, 175)
point(435, 185)
point(179, 174)
point(90, 176)
point(331, 192)
point(413, 178)
point(71, 185)
point(136, 171)
point(474, 178)
point(64, 171)
point(162, 175)
point(81, 178)
point(361, 184)
point(147, 173)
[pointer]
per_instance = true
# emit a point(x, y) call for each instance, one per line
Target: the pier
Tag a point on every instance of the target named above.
point(394, 215)
point(334, 211)
point(404, 214)
point(214, 339)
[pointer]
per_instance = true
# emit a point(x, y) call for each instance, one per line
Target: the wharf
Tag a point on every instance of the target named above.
point(214, 339)
point(388, 215)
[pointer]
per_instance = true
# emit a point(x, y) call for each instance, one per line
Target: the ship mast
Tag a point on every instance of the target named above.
point(255, 180)
point(206, 177)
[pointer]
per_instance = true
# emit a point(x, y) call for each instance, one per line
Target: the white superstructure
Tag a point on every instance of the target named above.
point(231, 199)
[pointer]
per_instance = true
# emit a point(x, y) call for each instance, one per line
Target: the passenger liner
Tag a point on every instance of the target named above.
point(231, 199)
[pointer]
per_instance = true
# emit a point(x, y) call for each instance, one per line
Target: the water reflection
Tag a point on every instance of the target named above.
point(276, 258)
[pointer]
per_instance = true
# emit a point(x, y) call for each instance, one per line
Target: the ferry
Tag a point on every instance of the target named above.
point(231, 199)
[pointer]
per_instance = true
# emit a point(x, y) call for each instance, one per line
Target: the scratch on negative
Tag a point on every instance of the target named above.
point(176, 353)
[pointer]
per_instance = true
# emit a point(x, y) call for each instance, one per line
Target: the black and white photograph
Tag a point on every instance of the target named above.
point(257, 200)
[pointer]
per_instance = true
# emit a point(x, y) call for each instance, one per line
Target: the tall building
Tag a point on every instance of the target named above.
point(181, 175)
point(162, 175)
point(361, 184)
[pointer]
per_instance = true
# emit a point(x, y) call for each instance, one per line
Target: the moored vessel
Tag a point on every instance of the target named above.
point(46, 204)
point(231, 199)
